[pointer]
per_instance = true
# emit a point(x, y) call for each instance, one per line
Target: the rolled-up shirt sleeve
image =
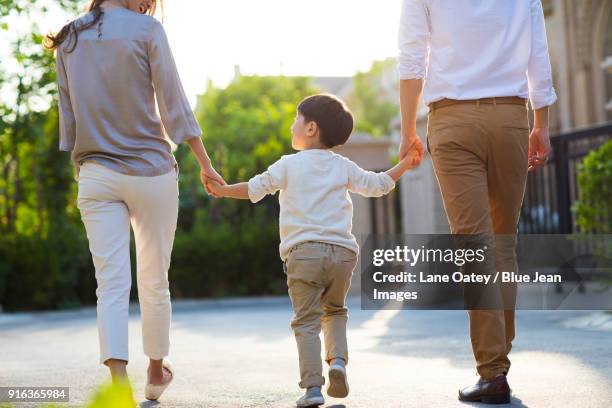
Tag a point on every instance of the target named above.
point(67, 121)
point(414, 34)
point(268, 182)
point(176, 114)
point(368, 183)
point(539, 72)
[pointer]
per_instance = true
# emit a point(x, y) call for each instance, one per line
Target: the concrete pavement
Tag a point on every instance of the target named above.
point(241, 353)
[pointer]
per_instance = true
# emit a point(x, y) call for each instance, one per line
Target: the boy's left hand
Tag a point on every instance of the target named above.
point(412, 159)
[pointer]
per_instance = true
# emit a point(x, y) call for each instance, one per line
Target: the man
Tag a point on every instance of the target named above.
point(480, 61)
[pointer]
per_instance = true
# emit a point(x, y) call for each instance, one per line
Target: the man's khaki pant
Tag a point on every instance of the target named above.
point(479, 154)
point(318, 278)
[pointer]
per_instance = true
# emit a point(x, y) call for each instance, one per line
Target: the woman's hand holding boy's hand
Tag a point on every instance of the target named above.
point(213, 187)
point(207, 173)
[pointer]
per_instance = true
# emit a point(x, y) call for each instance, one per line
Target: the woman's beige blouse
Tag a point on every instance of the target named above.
point(107, 91)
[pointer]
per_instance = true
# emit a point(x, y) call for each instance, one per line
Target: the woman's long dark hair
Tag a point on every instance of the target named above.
point(52, 41)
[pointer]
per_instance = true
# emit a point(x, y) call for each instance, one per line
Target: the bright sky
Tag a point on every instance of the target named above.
point(270, 37)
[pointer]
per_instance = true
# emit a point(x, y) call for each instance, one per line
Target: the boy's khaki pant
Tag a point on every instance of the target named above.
point(479, 154)
point(319, 277)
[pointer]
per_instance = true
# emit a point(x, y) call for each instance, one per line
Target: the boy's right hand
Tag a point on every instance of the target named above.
point(214, 187)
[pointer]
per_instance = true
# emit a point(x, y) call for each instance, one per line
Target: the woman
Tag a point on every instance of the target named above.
point(113, 63)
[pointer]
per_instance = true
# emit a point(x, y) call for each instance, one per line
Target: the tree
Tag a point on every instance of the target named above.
point(595, 185)
point(42, 246)
point(224, 246)
point(28, 126)
point(221, 247)
point(374, 99)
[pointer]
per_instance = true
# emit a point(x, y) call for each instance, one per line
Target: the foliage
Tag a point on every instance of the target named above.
point(227, 247)
point(221, 248)
point(246, 125)
point(43, 251)
point(374, 98)
point(116, 395)
point(594, 208)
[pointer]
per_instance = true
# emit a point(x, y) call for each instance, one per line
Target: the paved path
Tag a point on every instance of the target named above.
point(241, 354)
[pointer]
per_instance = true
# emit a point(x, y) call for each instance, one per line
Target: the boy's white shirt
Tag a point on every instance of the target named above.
point(315, 204)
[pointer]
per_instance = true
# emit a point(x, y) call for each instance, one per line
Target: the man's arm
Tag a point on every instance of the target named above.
point(539, 72)
point(541, 90)
point(414, 33)
point(410, 96)
point(407, 163)
point(539, 139)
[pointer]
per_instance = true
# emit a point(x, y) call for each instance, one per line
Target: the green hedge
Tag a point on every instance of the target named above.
point(215, 258)
point(594, 207)
point(46, 273)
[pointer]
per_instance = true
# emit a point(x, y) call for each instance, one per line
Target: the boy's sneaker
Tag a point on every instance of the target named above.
point(312, 398)
point(338, 385)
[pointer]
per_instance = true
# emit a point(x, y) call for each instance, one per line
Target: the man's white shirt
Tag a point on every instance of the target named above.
point(471, 49)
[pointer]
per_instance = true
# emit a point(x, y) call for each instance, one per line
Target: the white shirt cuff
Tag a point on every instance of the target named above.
point(542, 99)
point(256, 192)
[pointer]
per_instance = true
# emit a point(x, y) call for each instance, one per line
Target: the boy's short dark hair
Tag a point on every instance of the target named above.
point(334, 119)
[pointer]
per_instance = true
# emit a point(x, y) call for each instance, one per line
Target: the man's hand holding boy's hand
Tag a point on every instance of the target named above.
point(412, 159)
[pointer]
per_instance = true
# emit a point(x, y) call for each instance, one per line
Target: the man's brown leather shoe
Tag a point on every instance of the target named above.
point(494, 391)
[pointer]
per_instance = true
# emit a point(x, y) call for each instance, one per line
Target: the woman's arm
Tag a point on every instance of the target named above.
point(206, 168)
point(174, 109)
point(67, 122)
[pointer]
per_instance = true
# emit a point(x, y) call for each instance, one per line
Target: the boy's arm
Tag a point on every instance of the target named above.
point(396, 171)
point(269, 182)
point(408, 162)
point(239, 190)
point(368, 183)
point(371, 184)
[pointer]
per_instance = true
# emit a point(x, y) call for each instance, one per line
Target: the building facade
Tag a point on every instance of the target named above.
point(580, 44)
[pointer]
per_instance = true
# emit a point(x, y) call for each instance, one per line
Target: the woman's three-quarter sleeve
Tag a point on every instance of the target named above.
point(67, 122)
point(176, 114)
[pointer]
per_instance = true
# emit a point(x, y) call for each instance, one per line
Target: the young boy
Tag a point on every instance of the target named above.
point(318, 250)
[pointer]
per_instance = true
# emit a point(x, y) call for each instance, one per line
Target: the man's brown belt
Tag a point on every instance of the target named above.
point(505, 100)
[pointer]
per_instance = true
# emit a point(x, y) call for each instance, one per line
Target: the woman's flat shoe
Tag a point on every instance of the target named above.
point(152, 391)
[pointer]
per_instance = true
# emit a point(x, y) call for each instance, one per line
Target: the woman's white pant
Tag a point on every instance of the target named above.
point(109, 202)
